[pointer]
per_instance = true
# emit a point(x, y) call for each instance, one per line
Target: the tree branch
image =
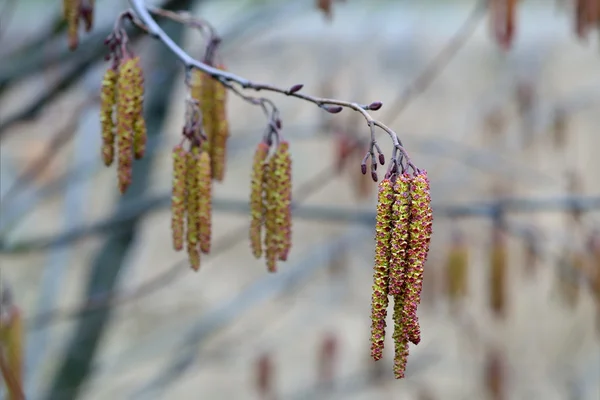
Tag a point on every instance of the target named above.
point(331, 105)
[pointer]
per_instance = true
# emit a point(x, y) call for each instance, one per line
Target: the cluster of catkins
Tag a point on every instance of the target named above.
point(121, 116)
point(271, 204)
point(191, 202)
point(403, 232)
point(75, 11)
point(212, 99)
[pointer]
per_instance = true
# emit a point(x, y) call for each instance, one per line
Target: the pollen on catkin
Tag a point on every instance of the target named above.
point(139, 127)
point(203, 91)
point(126, 106)
point(204, 202)
point(256, 198)
point(178, 200)
point(284, 187)
point(107, 104)
point(418, 247)
point(379, 297)
point(192, 206)
point(400, 233)
point(221, 130)
point(271, 211)
point(400, 339)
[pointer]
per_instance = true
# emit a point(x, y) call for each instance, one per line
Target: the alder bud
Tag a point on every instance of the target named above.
point(374, 106)
point(381, 159)
point(332, 109)
point(363, 168)
point(374, 176)
point(296, 88)
point(278, 123)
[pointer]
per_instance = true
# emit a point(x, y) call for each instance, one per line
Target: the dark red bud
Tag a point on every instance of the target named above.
point(278, 123)
point(376, 105)
point(374, 167)
point(381, 159)
point(374, 176)
point(333, 109)
point(296, 88)
point(363, 168)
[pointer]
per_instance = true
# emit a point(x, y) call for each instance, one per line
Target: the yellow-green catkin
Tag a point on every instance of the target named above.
point(71, 12)
point(498, 274)
point(283, 175)
point(139, 127)
point(127, 98)
point(379, 296)
point(418, 247)
point(192, 191)
point(457, 269)
point(11, 344)
point(221, 130)
point(256, 198)
point(204, 202)
point(178, 200)
point(203, 91)
point(271, 210)
point(400, 233)
point(107, 105)
point(400, 339)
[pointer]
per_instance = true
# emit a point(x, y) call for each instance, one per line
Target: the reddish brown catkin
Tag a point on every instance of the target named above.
point(221, 130)
point(107, 105)
point(270, 209)
point(418, 247)
point(399, 239)
point(256, 198)
point(192, 190)
point(204, 202)
point(126, 103)
point(379, 296)
point(87, 14)
point(285, 189)
point(400, 340)
point(178, 204)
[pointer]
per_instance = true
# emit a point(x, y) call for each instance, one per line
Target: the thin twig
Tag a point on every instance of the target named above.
point(224, 77)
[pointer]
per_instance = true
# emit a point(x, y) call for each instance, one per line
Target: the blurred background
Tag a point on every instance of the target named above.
point(511, 298)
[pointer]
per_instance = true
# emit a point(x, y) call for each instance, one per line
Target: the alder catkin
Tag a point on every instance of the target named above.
point(178, 205)
point(256, 198)
point(107, 104)
point(272, 214)
point(418, 247)
point(139, 138)
point(284, 185)
point(204, 202)
point(399, 240)
point(71, 12)
point(192, 190)
point(400, 339)
point(498, 274)
point(379, 296)
point(221, 130)
point(457, 274)
point(203, 91)
point(126, 105)
point(139, 128)
point(11, 343)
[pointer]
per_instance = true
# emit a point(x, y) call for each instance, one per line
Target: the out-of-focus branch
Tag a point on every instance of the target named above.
point(138, 209)
point(440, 61)
point(59, 139)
